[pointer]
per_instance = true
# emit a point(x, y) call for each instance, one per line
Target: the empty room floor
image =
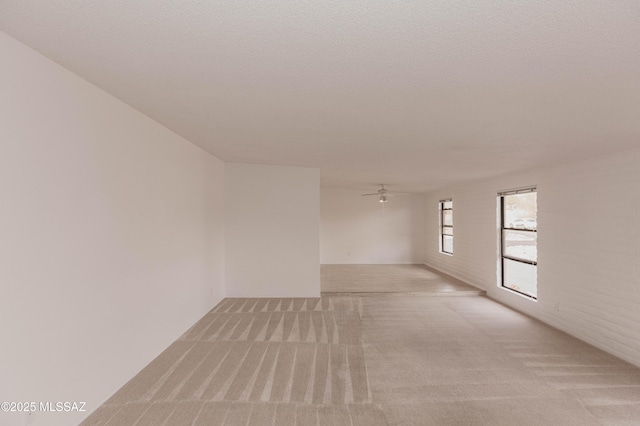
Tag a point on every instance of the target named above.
point(355, 279)
point(379, 359)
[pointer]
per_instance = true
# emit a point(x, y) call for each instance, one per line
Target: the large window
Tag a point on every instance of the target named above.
point(446, 226)
point(518, 241)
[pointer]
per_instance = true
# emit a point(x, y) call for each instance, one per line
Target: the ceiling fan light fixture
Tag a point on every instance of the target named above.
point(381, 193)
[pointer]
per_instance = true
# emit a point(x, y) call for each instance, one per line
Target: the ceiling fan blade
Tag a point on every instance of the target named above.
point(374, 193)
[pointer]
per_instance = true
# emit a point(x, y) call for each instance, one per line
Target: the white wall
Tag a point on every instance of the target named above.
point(588, 247)
point(272, 231)
point(111, 237)
point(356, 229)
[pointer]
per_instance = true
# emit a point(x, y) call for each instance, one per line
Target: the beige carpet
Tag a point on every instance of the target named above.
point(256, 362)
point(415, 279)
point(376, 360)
point(377, 349)
point(471, 361)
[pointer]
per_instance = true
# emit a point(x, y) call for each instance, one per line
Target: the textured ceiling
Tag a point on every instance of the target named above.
point(416, 94)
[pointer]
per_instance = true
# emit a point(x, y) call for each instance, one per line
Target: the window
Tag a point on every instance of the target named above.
point(518, 241)
point(446, 226)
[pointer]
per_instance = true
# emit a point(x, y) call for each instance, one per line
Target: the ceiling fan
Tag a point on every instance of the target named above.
point(383, 193)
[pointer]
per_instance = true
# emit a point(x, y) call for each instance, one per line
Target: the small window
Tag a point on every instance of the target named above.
point(519, 241)
point(446, 226)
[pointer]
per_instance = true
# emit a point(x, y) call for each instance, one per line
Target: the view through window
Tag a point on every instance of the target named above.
point(446, 226)
point(519, 236)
